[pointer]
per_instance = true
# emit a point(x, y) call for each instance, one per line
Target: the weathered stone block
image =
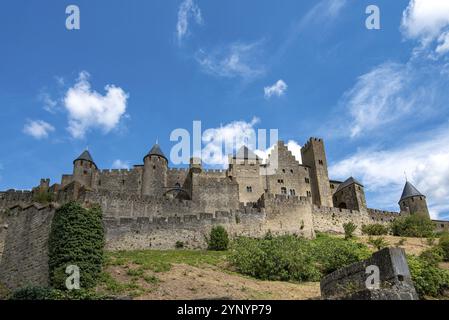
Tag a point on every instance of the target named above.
point(350, 283)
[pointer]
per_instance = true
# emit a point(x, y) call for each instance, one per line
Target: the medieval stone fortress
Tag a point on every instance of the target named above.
point(153, 206)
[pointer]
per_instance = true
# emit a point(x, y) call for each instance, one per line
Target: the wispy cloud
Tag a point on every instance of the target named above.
point(49, 104)
point(120, 164)
point(89, 109)
point(425, 161)
point(187, 10)
point(236, 60)
point(278, 89)
point(38, 129)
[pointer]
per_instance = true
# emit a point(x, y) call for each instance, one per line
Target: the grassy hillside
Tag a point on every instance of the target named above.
point(187, 274)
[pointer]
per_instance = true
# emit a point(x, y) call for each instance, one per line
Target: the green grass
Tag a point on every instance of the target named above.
point(161, 261)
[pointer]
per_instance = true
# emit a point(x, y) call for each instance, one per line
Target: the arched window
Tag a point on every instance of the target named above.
point(283, 190)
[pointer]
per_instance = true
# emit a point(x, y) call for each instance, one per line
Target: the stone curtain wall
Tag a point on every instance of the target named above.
point(25, 257)
point(3, 229)
point(13, 197)
point(331, 220)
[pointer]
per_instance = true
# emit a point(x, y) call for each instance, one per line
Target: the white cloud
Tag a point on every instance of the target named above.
point(235, 60)
point(426, 163)
point(38, 129)
point(277, 89)
point(187, 9)
point(426, 21)
point(120, 164)
point(295, 149)
point(225, 140)
point(88, 109)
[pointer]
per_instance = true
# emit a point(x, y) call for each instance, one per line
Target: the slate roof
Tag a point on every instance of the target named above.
point(347, 183)
point(85, 156)
point(410, 191)
point(156, 151)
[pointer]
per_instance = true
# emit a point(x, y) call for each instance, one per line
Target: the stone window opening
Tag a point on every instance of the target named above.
point(249, 189)
point(123, 182)
point(177, 185)
point(309, 194)
point(307, 180)
point(291, 170)
point(283, 170)
point(292, 192)
point(85, 172)
point(320, 162)
point(283, 190)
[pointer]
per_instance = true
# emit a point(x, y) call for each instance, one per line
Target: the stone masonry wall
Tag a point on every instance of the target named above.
point(331, 220)
point(25, 257)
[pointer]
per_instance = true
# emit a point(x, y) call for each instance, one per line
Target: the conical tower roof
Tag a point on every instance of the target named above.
point(410, 191)
point(156, 151)
point(85, 156)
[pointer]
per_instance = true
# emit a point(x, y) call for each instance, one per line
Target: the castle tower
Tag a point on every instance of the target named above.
point(413, 201)
point(196, 165)
point(314, 156)
point(84, 169)
point(350, 195)
point(155, 168)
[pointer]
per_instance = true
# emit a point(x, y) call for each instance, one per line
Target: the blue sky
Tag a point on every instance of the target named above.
point(137, 70)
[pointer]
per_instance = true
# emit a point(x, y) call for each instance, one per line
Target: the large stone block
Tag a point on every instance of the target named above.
point(354, 282)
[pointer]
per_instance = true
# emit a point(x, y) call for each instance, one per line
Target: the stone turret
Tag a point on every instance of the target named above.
point(84, 169)
point(413, 201)
point(350, 195)
point(155, 167)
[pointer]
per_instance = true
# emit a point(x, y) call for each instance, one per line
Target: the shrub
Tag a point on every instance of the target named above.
point(376, 229)
point(378, 243)
point(444, 245)
point(289, 258)
point(218, 239)
point(401, 242)
point(433, 255)
point(76, 238)
point(279, 258)
point(413, 226)
point(179, 244)
point(34, 293)
point(331, 253)
point(429, 280)
point(43, 197)
point(349, 229)
point(45, 293)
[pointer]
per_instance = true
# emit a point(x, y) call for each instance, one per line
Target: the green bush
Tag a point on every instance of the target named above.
point(45, 293)
point(331, 253)
point(218, 239)
point(179, 245)
point(378, 243)
point(444, 245)
point(413, 226)
point(290, 258)
point(43, 197)
point(349, 229)
point(376, 229)
point(429, 280)
point(34, 293)
point(274, 258)
point(434, 255)
point(76, 238)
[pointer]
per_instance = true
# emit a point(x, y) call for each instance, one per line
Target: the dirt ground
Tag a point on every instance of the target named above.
point(185, 282)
